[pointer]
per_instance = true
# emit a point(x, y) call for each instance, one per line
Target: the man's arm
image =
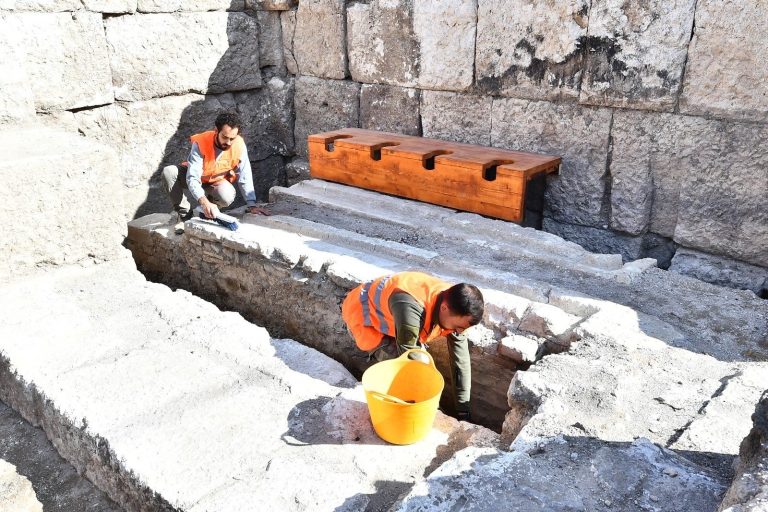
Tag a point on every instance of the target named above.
point(194, 181)
point(407, 315)
point(461, 369)
point(245, 183)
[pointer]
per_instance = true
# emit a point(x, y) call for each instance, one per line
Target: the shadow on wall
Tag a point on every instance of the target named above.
point(199, 116)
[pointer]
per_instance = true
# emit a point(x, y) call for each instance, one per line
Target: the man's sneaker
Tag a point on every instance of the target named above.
point(177, 220)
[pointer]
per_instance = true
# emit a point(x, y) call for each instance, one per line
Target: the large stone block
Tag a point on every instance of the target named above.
point(147, 135)
point(190, 5)
point(445, 32)
point(268, 118)
point(456, 117)
point(720, 271)
point(531, 49)
point(635, 53)
point(596, 239)
point(727, 72)
point(707, 178)
point(578, 135)
point(409, 44)
point(288, 25)
point(41, 5)
point(271, 5)
point(16, 102)
point(324, 105)
point(381, 43)
point(270, 40)
point(16, 492)
point(111, 6)
point(318, 39)
point(70, 212)
point(268, 173)
point(219, 52)
point(65, 58)
point(390, 109)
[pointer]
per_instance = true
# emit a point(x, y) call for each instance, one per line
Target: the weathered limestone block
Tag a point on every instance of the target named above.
point(578, 135)
point(72, 175)
point(319, 39)
point(65, 58)
point(456, 117)
point(16, 101)
point(288, 26)
point(268, 173)
point(219, 52)
point(727, 73)
point(190, 5)
point(531, 50)
point(409, 44)
point(178, 419)
point(718, 270)
point(520, 349)
point(111, 6)
point(552, 323)
point(297, 170)
point(271, 5)
point(617, 388)
point(16, 492)
point(723, 412)
point(41, 5)
point(707, 178)
point(268, 118)
point(629, 476)
point(596, 239)
point(270, 40)
point(381, 44)
point(652, 153)
point(445, 33)
point(390, 109)
point(636, 53)
point(147, 135)
point(504, 310)
point(749, 491)
point(723, 210)
point(324, 105)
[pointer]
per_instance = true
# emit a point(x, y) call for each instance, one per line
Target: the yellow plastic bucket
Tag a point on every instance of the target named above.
point(403, 395)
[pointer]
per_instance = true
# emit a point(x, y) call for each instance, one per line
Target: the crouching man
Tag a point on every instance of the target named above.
point(217, 160)
point(403, 311)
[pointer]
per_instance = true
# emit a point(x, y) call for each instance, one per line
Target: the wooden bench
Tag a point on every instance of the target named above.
point(484, 180)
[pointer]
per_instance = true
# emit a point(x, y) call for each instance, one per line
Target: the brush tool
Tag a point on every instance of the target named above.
point(222, 219)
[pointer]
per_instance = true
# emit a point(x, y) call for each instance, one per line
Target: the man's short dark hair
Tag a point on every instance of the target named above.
point(230, 118)
point(465, 299)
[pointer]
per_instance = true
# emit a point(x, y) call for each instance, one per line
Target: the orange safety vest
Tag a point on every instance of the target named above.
point(222, 168)
point(366, 308)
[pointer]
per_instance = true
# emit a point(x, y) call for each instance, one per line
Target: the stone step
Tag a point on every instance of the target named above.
point(165, 402)
point(498, 243)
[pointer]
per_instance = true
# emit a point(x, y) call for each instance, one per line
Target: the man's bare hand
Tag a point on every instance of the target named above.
point(255, 210)
point(210, 209)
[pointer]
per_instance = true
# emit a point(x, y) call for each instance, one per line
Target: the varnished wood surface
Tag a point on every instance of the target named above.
point(461, 175)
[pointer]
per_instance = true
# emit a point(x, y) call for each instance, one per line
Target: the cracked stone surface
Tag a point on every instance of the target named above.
point(196, 408)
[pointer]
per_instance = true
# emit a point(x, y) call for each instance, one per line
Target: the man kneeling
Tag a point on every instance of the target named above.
point(218, 159)
point(395, 313)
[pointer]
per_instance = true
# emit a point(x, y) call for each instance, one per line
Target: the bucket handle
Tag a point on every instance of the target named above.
point(404, 355)
point(389, 398)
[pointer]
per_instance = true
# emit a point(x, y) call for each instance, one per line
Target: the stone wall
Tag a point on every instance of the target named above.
point(142, 76)
point(659, 109)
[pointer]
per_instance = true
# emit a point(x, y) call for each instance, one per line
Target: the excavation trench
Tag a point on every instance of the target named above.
point(293, 286)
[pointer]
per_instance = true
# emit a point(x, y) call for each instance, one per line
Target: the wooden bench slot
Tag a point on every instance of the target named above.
point(376, 150)
point(330, 143)
point(489, 169)
point(429, 159)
